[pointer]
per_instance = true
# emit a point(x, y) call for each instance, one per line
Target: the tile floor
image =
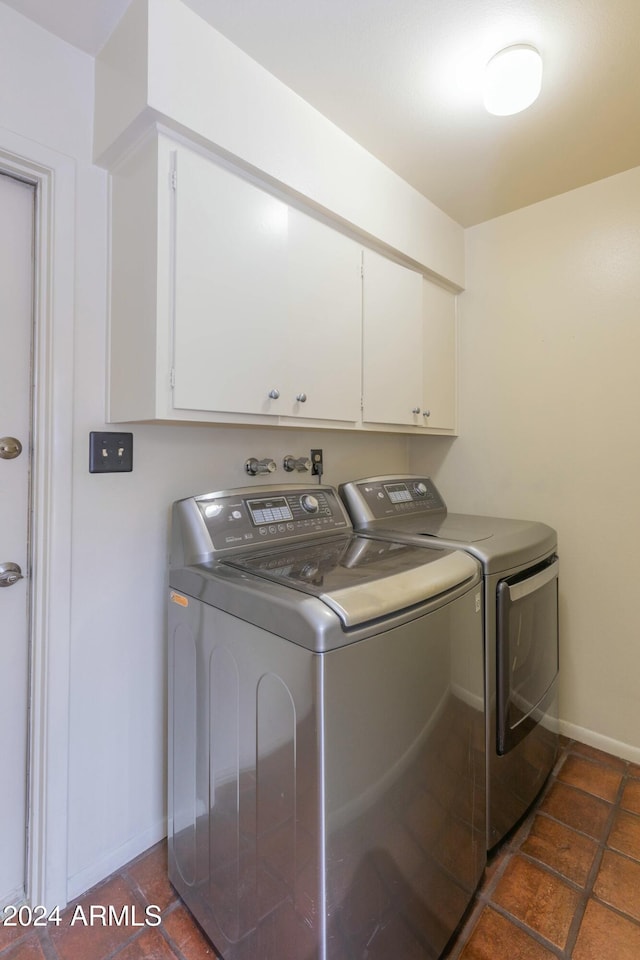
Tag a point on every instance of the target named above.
point(566, 885)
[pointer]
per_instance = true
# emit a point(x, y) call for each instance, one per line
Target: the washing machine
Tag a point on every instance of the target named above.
point(326, 730)
point(520, 572)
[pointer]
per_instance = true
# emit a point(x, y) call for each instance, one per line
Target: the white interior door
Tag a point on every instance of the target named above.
point(16, 330)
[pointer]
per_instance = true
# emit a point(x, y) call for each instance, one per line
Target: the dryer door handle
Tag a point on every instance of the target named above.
point(518, 591)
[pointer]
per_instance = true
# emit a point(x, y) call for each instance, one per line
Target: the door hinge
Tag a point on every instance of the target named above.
point(174, 179)
point(172, 378)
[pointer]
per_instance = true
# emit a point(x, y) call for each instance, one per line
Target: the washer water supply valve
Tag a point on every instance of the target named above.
point(301, 464)
point(255, 467)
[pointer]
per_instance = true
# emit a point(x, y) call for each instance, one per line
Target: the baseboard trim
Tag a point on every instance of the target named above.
point(615, 747)
point(85, 879)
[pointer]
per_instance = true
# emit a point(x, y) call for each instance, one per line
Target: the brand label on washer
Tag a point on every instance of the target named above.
point(179, 599)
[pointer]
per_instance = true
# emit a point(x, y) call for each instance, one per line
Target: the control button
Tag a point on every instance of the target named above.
point(420, 488)
point(309, 503)
point(236, 515)
point(380, 495)
point(213, 509)
point(272, 529)
point(263, 531)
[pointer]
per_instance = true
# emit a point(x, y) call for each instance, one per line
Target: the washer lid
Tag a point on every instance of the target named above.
point(361, 578)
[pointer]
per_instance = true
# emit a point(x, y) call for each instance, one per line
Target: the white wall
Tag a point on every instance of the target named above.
point(549, 413)
point(164, 62)
point(119, 533)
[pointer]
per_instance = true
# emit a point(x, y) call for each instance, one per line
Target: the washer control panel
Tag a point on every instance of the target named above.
point(242, 518)
point(381, 498)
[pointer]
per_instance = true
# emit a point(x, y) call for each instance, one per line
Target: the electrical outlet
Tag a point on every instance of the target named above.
point(110, 452)
point(317, 465)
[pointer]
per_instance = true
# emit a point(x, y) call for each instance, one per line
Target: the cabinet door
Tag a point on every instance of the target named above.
point(325, 322)
point(392, 342)
point(440, 357)
point(230, 317)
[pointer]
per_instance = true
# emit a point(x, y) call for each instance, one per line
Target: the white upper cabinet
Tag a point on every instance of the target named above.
point(392, 368)
point(324, 322)
point(409, 348)
point(230, 290)
point(440, 356)
point(267, 302)
point(230, 305)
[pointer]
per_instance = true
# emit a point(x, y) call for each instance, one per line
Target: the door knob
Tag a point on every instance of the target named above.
point(10, 573)
point(10, 448)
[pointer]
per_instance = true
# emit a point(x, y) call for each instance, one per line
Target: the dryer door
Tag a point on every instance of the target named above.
point(527, 649)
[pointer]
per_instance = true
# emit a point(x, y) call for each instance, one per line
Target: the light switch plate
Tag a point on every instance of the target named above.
point(110, 452)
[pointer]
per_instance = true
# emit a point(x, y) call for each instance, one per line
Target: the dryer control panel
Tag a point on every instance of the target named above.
point(381, 498)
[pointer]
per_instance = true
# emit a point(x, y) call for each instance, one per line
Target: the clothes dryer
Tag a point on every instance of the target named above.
point(520, 573)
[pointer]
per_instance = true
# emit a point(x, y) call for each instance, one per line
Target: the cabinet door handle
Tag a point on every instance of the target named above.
point(301, 398)
point(427, 413)
point(274, 394)
point(416, 410)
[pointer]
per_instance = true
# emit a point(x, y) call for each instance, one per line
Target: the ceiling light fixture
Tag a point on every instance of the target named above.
point(513, 79)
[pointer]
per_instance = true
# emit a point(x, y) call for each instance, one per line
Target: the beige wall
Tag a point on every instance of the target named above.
point(550, 425)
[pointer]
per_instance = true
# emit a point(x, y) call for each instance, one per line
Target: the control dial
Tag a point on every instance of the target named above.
point(309, 503)
point(420, 488)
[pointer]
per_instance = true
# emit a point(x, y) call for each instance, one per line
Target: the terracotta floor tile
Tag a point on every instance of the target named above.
point(149, 874)
point(561, 848)
point(28, 949)
point(150, 945)
point(577, 809)
point(86, 936)
point(618, 883)
point(544, 902)
point(495, 938)
point(594, 778)
point(9, 935)
point(599, 755)
point(605, 935)
point(631, 796)
point(625, 834)
point(185, 933)
point(524, 879)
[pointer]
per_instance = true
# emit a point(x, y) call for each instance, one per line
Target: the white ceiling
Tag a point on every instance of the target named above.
point(402, 77)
